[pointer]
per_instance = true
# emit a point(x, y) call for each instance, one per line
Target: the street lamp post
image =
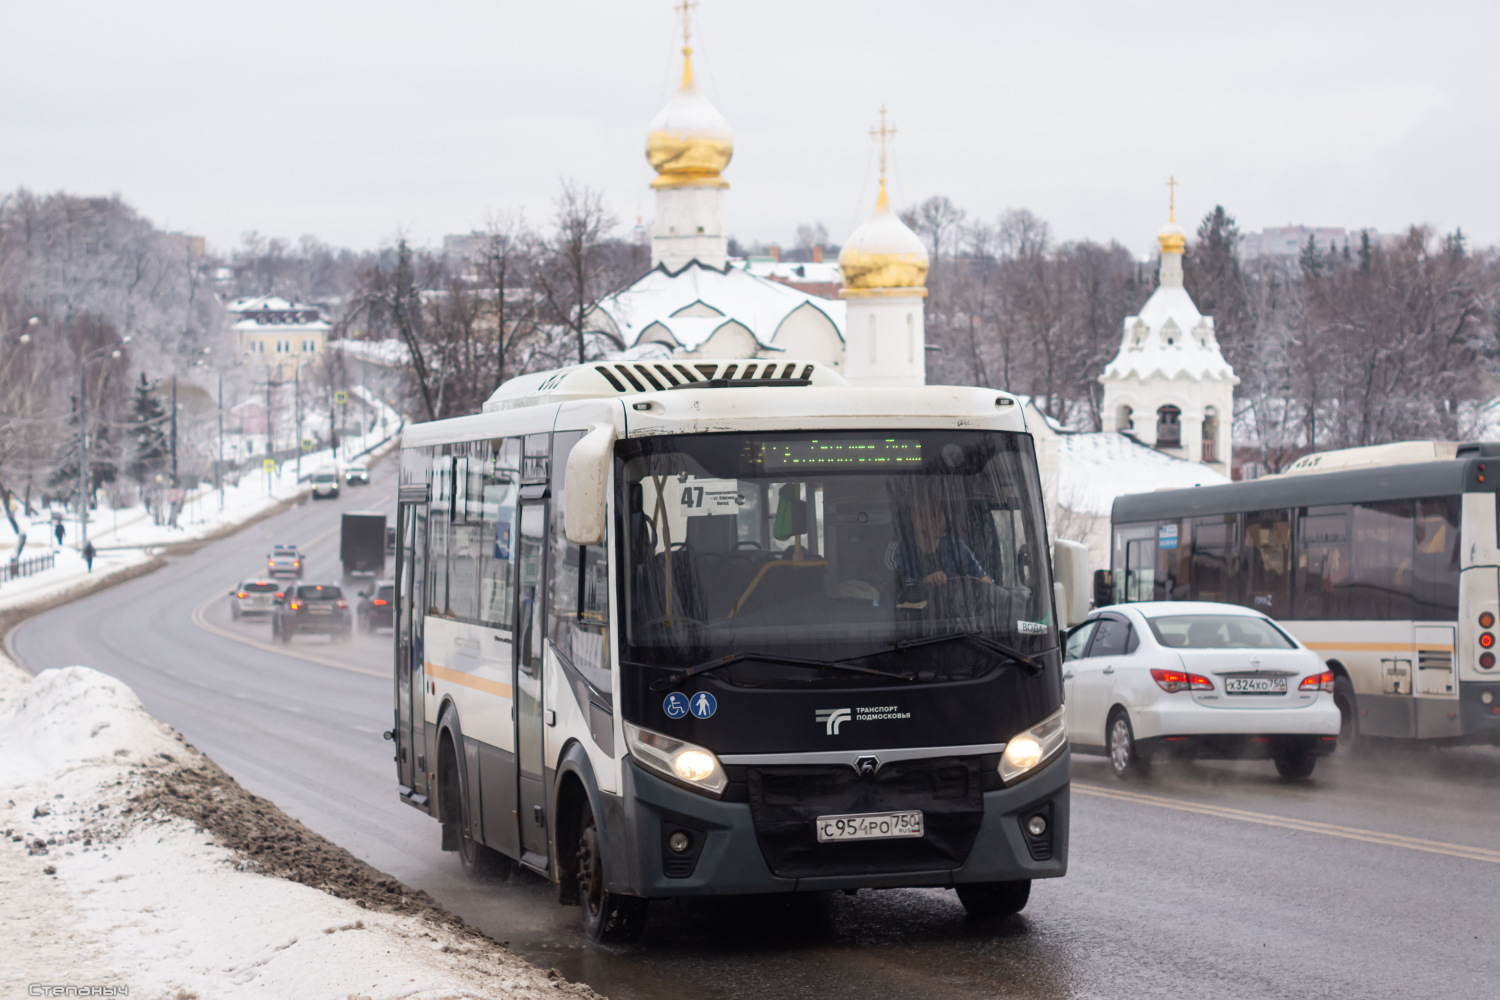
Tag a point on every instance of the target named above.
point(83, 434)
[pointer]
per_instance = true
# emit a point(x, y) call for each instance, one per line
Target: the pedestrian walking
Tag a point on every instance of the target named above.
point(88, 555)
point(58, 530)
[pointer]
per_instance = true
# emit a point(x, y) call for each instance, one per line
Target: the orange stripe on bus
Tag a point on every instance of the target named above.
point(468, 680)
point(1378, 647)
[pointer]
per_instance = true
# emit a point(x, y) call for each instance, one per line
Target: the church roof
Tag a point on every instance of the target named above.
point(758, 304)
point(1095, 467)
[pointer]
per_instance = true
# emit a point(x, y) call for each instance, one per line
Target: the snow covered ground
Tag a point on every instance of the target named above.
point(131, 862)
point(126, 538)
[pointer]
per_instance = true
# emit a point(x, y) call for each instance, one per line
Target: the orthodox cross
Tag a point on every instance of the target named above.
point(685, 9)
point(882, 136)
point(1171, 199)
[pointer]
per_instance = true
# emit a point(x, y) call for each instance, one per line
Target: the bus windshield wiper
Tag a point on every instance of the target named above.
point(682, 677)
point(979, 639)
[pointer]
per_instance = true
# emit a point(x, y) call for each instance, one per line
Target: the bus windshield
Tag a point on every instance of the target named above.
point(831, 545)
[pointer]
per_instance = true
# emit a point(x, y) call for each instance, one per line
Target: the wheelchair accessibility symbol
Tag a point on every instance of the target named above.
point(675, 705)
point(703, 705)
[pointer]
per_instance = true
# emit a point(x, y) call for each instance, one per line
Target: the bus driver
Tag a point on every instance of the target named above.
point(928, 553)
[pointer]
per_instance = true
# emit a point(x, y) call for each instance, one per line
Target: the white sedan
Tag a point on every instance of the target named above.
point(1196, 680)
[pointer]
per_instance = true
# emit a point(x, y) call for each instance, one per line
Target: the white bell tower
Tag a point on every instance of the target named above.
point(1170, 386)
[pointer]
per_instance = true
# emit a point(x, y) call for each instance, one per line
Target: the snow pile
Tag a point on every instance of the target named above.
point(101, 887)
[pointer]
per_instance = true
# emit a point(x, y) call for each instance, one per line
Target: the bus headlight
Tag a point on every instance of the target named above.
point(1031, 749)
point(683, 762)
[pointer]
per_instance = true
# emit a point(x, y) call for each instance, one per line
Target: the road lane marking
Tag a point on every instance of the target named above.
point(1299, 825)
point(200, 619)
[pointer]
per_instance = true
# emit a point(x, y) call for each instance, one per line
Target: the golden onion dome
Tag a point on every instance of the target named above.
point(689, 143)
point(1172, 238)
point(883, 253)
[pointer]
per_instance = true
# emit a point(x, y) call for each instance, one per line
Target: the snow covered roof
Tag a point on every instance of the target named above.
point(269, 303)
point(1170, 338)
point(1096, 467)
point(697, 291)
point(802, 271)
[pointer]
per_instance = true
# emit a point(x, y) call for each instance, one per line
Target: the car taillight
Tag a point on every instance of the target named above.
point(296, 606)
point(379, 602)
point(280, 595)
point(1173, 681)
point(296, 563)
point(242, 594)
point(1317, 682)
point(271, 563)
point(343, 604)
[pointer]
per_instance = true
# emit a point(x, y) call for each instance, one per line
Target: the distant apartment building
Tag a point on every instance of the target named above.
point(1289, 241)
point(275, 331)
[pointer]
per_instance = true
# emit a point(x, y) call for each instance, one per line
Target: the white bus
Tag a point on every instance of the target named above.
point(667, 630)
point(1387, 570)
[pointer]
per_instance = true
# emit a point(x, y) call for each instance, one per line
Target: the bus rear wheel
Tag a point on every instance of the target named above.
point(607, 916)
point(1343, 697)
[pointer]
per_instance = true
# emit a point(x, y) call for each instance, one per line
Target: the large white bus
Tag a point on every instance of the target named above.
point(1386, 568)
point(669, 630)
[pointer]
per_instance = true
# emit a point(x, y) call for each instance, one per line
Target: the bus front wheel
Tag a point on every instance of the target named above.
point(607, 916)
point(994, 899)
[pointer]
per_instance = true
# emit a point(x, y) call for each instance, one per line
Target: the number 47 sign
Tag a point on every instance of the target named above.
point(701, 497)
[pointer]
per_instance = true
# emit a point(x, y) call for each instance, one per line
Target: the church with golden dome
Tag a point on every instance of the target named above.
point(697, 302)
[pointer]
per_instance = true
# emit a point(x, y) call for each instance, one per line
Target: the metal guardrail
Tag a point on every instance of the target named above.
point(17, 568)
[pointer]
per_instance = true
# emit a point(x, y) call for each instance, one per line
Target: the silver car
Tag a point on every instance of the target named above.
point(253, 599)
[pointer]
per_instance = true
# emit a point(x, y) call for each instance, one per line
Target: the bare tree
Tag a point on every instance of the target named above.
point(575, 271)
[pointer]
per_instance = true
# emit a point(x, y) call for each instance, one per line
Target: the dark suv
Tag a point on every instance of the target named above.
point(376, 606)
point(318, 608)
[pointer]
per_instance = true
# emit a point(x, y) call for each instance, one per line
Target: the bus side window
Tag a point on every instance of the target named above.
point(499, 487)
point(1323, 560)
point(1435, 579)
point(1212, 566)
point(579, 619)
point(1384, 542)
point(1266, 562)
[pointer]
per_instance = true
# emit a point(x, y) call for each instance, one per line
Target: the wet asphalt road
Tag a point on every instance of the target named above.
point(1379, 878)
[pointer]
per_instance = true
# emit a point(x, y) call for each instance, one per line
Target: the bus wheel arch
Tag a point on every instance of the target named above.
point(449, 785)
point(574, 793)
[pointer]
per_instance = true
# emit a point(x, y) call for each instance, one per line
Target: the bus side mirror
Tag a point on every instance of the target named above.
point(584, 490)
point(1070, 586)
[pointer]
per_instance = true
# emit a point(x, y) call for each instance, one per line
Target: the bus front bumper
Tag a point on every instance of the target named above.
point(726, 858)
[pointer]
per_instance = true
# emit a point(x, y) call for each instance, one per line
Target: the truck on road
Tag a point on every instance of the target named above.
point(362, 543)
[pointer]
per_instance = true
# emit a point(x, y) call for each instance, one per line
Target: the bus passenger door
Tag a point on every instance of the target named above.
point(411, 728)
point(531, 632)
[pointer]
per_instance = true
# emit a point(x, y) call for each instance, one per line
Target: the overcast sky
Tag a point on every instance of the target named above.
point(352, 121)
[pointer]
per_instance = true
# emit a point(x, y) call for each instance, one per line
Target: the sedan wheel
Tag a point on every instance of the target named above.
point(1295, 766)
point(1123, 755)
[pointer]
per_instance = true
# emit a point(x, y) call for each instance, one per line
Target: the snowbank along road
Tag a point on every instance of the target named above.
point(132, 865)
point(1375, 879)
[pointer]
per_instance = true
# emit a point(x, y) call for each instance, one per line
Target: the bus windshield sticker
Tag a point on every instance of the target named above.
point(702, 497)
point(704, 705)
point(1031, 628)
point(675, 705)
point(1166, 536)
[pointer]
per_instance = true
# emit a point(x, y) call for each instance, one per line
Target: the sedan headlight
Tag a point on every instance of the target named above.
point(682, 762)
point(1031, 749)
